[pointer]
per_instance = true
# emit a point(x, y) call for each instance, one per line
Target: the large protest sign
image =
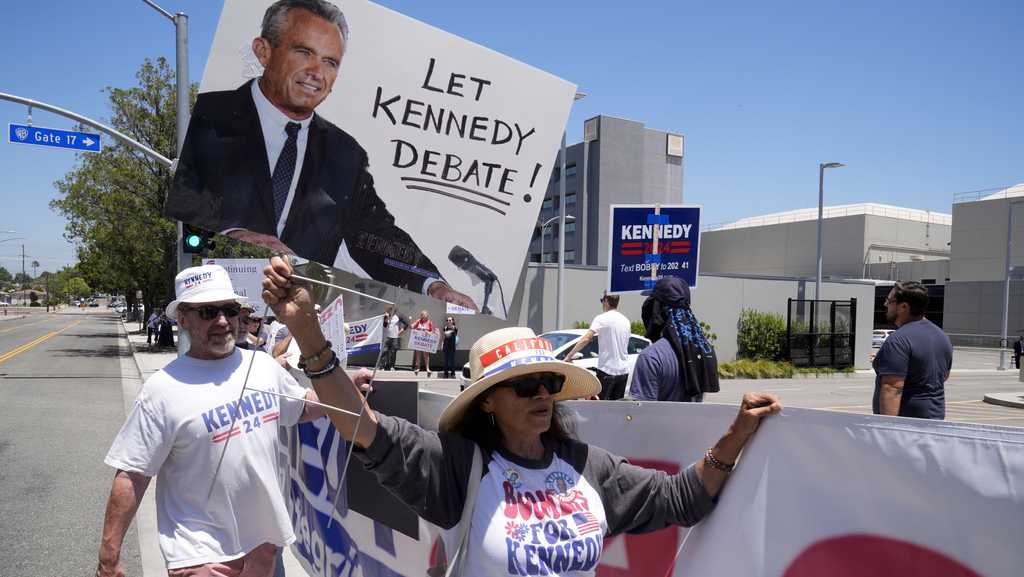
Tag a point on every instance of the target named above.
point(332, 323)
point(424, 340)
point(364, 336)
point(665, 238)
point(419, 128)
point(247, 278)
point(816, 493)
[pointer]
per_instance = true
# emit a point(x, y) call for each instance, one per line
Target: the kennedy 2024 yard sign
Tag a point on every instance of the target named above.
point(665, 238)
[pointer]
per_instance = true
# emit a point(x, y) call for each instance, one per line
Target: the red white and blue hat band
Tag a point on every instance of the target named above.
point(514, 354)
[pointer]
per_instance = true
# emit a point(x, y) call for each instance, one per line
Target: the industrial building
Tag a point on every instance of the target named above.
point(987, 257)
point(619, 162)
point(859, 241)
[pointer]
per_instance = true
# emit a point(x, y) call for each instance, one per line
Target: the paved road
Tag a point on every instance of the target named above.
point(60, 407)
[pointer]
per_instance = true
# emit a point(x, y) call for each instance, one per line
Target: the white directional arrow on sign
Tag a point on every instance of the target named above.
point(88, 142)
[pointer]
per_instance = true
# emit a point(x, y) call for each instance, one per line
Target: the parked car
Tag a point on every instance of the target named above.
point(563, 341)
point(878, 336)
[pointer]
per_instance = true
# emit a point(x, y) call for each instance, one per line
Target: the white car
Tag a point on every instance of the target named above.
point(878, 336)
point(563, 341)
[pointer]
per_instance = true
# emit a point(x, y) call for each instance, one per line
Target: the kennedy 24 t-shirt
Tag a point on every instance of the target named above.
point(177, 430)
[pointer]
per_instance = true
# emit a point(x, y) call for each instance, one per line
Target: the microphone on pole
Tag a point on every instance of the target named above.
point(462, 258)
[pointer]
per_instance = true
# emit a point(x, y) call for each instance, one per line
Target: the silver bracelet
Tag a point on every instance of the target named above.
point(710, 459)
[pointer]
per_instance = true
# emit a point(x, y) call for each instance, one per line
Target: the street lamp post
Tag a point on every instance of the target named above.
point(1004, 340)
point(180, 21)
point(560, 296)
point(543, 226)
point(821, 210)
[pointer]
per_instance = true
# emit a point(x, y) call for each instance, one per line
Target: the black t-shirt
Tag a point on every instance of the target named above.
point(920, 353)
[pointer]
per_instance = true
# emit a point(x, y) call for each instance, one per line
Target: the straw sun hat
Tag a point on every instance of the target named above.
point(509, 353)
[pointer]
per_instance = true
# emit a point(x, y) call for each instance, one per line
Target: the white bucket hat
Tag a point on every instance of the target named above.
point(209, 283)
point(509, 353)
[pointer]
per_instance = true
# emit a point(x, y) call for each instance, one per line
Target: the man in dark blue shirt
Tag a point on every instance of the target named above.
point(914, 362)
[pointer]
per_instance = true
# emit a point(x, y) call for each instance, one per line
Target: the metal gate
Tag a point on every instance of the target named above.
point(821, 333)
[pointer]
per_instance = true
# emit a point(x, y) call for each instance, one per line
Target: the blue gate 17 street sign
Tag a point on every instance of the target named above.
point(631, 253)
point(24, 134)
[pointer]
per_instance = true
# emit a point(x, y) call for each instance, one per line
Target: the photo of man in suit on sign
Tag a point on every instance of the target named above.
point(261, 166)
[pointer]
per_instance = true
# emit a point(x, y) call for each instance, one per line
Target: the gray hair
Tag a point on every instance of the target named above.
point(275, 18)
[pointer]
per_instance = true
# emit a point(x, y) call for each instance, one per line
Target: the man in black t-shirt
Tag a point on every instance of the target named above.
point(914, 362)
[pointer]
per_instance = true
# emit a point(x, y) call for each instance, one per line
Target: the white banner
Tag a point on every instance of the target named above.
point(364, 336)
point(332, 323)
point(246, 278)
point(453, 132)
point(817, 493)
point(423, 340)
point(454, 309)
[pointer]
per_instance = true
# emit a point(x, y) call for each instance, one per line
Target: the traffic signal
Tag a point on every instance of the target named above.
point(195, 240)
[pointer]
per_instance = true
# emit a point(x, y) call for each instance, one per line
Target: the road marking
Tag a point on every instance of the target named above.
point(24, 325)
point(18, 350)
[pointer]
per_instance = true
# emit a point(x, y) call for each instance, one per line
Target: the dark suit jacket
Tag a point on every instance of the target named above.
point(223, 181)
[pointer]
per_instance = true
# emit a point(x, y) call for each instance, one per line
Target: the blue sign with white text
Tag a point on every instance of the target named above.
point(632, 252)
point(24, 134)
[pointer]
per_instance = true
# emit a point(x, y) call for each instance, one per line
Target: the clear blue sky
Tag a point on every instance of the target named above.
point(920, 99)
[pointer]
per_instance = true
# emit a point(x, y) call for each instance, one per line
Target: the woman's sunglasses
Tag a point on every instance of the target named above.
point(529, 385)
point(210, 312)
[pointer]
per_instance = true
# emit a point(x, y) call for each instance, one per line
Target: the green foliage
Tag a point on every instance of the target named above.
point(21, 279)
point(767, 369)
point(637, 328)
point(755, 369)
point(113, 199)
point(32, 296)
point(581, 325)
point(227, 247)
point(708, 333)
point(760, 335)
point(5, 276)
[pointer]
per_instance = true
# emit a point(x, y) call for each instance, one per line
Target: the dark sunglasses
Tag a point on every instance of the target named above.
point(210, 312)
point(529, 385)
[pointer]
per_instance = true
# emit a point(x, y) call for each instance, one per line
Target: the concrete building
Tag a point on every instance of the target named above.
point(975, 292)
point(859, 240)
point(619, 162)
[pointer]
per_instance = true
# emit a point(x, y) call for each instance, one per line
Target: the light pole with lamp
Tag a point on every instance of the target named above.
point(1004, 339)
point(543, 226)
point(560, 296)
point(821, 209)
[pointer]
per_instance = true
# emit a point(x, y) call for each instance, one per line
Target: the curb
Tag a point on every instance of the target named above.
point(1014, 400)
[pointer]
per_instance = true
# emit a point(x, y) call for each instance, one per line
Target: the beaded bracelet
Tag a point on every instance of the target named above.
point(331, 366)
point(316, 357)
point(710, 459)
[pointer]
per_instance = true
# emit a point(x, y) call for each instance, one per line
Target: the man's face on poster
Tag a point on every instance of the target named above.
point(300, 68)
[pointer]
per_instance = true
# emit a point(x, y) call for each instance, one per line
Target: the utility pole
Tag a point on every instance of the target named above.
point(23, 275)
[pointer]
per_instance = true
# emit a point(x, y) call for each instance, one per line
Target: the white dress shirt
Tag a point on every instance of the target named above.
point(273, 123)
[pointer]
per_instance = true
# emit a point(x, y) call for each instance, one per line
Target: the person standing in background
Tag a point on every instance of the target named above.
point(422, 357)
point(612, 330)
point(451, 335)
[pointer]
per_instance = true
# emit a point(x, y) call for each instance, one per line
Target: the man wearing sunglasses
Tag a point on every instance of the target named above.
point(212, 397)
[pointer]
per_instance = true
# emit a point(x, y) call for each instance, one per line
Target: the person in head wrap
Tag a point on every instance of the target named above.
point(681, 364)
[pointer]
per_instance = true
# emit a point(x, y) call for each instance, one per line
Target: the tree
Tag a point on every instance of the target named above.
point(113, 200)
point(35, 267)
point(22, 280)
point(5, 276)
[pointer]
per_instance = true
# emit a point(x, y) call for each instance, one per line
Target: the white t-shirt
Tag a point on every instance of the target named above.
point(176, 431)
point(392, 330)
point(525, 519)
point(612, 329)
